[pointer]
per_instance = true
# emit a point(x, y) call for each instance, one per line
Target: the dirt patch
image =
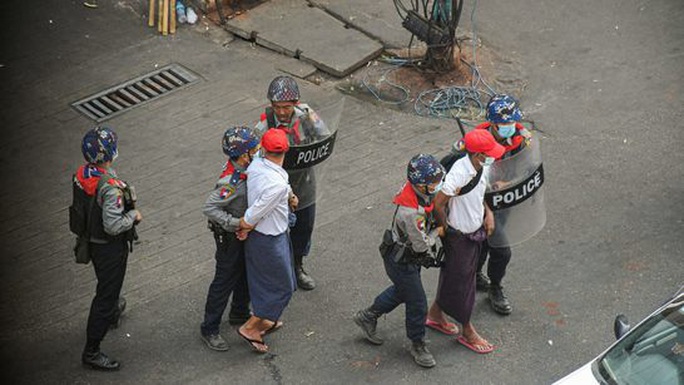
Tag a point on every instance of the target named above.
point(399, 80)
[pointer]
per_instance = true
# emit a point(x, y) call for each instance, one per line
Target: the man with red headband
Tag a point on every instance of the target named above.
point(270, 276)
point(468, 223)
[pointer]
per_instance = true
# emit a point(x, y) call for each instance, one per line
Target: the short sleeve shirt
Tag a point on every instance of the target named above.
point(466, 212)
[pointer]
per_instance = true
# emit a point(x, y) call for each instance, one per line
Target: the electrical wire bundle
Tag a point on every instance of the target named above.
point(449, 102)
point(435, 24)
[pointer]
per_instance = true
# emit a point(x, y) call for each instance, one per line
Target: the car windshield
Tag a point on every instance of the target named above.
point(653, 353)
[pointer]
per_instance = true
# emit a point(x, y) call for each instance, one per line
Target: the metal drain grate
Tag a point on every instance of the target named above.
point(123, 97)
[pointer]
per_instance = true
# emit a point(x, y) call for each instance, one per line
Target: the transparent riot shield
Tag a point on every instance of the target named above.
point(305, 161)
point(515, 192)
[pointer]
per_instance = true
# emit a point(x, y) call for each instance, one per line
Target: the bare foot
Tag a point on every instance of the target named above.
point(473, 341)
point(445, 327)
point(478, 345)
point(436, 314)
point(253, 338)
point(271, 327)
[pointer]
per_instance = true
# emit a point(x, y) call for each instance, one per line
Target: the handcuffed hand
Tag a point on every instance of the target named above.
point(293, 201)
point(244, 226)
point(489, 222)
point(500, 185)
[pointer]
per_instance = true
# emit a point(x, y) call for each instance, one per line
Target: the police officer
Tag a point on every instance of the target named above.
point(414, 234)
point(224, 208)
point(503, 122)
point(111, 229)
point(302, 126)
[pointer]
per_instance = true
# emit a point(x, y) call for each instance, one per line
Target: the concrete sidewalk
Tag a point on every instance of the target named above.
point(609, 245)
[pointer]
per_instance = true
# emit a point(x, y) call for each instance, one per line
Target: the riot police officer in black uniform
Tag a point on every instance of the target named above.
point(302, 126)
point(110, 225)
point(224, 207)
point(503, 122)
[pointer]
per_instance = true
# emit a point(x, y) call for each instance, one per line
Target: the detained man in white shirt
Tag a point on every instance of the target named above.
point(469, 221)
point(268, 256)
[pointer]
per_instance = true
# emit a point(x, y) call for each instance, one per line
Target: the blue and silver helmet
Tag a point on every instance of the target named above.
point(424, 169)
point(503, 109)
point(239, 140)
point(99, 145)
point(283, 89)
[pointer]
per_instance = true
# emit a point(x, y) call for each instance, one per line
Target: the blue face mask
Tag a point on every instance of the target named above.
point(488, 161)
point(436, 189)
point(506, 131)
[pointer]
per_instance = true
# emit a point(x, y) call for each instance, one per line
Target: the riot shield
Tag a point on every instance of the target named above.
point(305, 161)
point(515, 192)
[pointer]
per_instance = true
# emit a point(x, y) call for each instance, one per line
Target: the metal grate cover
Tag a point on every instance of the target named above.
point(123, 97)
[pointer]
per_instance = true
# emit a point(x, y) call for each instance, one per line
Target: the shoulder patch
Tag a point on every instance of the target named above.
point(226, 191)
point(116, 183)
point(420, 223)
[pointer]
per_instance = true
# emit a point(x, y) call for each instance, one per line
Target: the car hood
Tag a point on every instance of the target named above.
point(581, 376)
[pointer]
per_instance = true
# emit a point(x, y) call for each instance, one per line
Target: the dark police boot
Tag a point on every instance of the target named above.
point(421, 355)
point(99, 361)
point(304, 280)
point(120, 307)
point(367, 320)
point(498, 300)
point(215, 342)
point(481, 282)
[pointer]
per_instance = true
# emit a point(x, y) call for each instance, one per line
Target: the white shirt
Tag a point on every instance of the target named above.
point(466, 212)
point(268, 191)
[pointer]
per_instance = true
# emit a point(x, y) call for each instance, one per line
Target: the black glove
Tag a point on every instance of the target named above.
point(426, 260)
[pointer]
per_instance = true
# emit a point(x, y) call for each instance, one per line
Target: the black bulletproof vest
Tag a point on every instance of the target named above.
point(91, 223)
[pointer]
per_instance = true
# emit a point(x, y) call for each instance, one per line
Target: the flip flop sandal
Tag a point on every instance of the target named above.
point(463, 341)
point(447, 328)
point(274, 328)
point(253, 343)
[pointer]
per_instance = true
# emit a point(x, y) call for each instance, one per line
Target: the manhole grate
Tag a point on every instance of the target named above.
point(123, 97)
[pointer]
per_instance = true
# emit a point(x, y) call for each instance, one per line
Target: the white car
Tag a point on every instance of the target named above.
point(652, 353)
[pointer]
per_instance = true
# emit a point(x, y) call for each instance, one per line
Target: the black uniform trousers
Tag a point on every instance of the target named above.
point(230, 277)
point(109, 261)
point(300, 234)
point(498, 260)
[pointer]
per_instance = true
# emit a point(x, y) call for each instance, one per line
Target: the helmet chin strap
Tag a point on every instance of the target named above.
point(248, 161)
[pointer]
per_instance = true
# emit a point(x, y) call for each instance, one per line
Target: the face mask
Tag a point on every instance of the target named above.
point(436, 189)
point(488, 161)
point(506, 131)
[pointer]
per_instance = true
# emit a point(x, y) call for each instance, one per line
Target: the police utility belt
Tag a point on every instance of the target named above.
point(220, 234)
